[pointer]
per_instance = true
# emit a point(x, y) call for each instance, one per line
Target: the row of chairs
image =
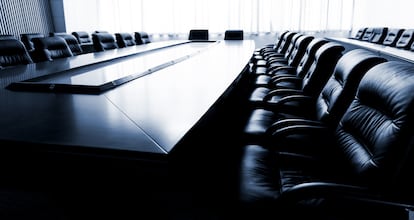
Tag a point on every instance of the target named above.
point(392, 37)
point(203, 34)
point(35, 47)
point(328, 133)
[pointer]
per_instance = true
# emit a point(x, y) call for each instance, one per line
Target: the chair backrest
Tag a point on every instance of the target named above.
point(341, 87)
point(299, 49)
point(284, 45)
point(124, 39)
point(406, 39)
point(103, 41)
point(7, 36)
point(360, 33)
point(368, 34)
point(279, 40)
point(321, 69)
point(198, 34)
point(83, 37)
point(27, 39)
point(72, 42)
point(141, 38)
point(378, 35)
point(392, 37)
point(291, 46)
point(309, 56)
point(375, 135)
point(50, 48)
point(13, 52)
point(233, 35)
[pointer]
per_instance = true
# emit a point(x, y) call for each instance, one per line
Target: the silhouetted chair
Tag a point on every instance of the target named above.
point(198, 34)
point(392, 37)
point(72, 42)
point(103, 41)
point(360, 33)
point(84, 40)
point(13, 52)
point(269, 80)
point(27, 39)
point(312, 83)
point(360, 169)
point(329, 105)
point(50, 48)
point(406, 39)
point(233, 35)
point(141, 37)
point(124, 39)
point(378, 35)
point(7, 37)
point(367, 34)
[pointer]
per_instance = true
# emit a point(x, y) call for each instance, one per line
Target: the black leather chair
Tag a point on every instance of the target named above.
point(7, 36)
point(103, 41)
point(292, 57)
point(13, 52)
point(273, 47)
point(378, 35)
point(360, 33)
point(392, 37)
point(368, 34)
point(268, 80)
point(141, 37)
point(124, 40)
point(329, 105)
point(72, 42)
point(50, 48)
point(27, 39)
point(84, 40)
point(312, 83)
point(198, 34)
point(406, 39)
point(233, 35)
point(361, 169)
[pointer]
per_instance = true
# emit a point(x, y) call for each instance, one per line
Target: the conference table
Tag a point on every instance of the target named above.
point(138, 101)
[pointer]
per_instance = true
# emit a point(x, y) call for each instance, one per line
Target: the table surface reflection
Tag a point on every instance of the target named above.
point(146, 116)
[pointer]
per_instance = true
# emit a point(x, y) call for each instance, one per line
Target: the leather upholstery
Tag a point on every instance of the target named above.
point(141, 38)
point(50, 48)
point(13, 52)
point(7, 36)
point(406, 39)
point(201, 34)
point(233, 35)
point(124, 39)
point(72, 42)
point(368, 34)
point(300, 70)
point(103, 41)
point(82, 37)
point(27, 39)
point(331, 103)
point(392, 37)
point(313, 81)
point(366, 162)
point(378, 35)
point(360, 33)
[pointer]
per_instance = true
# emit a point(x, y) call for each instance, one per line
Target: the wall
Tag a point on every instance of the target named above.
point(25, 16)
point(383, 13)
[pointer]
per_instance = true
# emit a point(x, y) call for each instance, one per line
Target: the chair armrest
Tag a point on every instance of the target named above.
point(274, 71)
point(285, 92)
point(341, 191)
point(291, 122)
point(305, 101)
point(285, 78)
